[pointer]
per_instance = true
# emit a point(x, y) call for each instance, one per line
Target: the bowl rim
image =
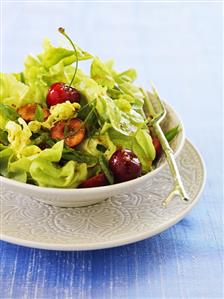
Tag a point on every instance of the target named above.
point(101, 189)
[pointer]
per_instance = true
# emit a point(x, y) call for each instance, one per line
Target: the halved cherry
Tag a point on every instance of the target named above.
point(57, 131)
point(72, 131)
point(157, 145)
point(76, 132)
point(28, 111)
point(95, 181)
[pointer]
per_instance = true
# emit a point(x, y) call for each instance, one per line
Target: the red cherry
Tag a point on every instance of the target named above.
point(157, 146)
point(125, 165)
point(60, 92)
point(95, 181)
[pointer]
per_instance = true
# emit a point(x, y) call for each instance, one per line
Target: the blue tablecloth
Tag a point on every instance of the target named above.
point(178, 46)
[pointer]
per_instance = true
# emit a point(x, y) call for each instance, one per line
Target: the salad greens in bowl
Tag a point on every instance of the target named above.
point(72, 139)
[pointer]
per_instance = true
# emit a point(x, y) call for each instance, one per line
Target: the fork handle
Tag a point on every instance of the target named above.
point(178, 188)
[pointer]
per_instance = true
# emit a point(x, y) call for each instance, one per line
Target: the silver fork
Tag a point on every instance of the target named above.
point(178, 188)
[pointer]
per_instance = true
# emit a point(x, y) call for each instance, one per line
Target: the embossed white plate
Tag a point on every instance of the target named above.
point(116, 221)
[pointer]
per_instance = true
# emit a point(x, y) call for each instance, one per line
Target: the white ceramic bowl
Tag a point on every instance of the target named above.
point(83, 197)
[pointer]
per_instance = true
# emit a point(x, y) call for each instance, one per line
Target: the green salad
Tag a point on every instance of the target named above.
point(60, 127)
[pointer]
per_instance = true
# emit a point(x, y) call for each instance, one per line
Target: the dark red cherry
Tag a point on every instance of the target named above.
point(125, 165)
point(157, 146)
point(95, 181)
point(60, 92)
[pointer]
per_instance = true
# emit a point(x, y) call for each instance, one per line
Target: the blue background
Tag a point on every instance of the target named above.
point(178, 47)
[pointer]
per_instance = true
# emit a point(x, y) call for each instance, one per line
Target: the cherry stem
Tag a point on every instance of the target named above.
point(62, 31)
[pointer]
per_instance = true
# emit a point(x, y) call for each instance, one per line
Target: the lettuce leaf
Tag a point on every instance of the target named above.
point(62, 111)
point(12, 91)
point(5, 156)
point(133, 92)
point(11, 168)
point(101, 73)
point(31, 151)
point(53, 55)
point(91, 146)
point(125, 123)
point(3, 138)
point(126, 76)
point(46, 174)
point(18, 135)
point(123, 105)
point(7, 113)
point(88, 87)
point(53, 154)
point(18, 169)
point(41, 167)
point(118, 84)
point(105, 75)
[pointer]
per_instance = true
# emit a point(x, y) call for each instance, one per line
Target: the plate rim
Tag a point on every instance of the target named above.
point(120, 241)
